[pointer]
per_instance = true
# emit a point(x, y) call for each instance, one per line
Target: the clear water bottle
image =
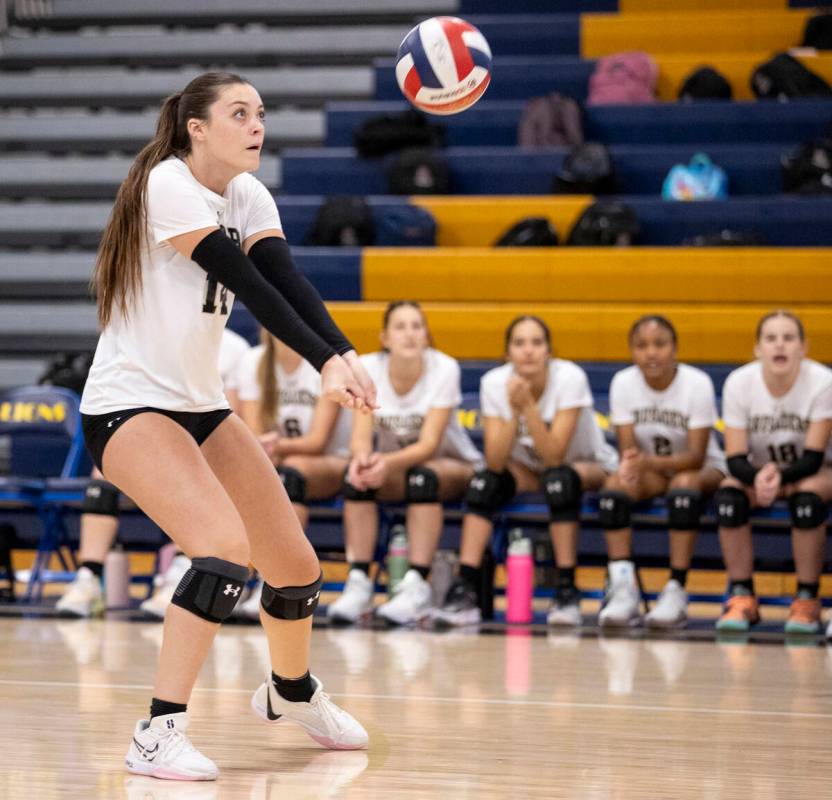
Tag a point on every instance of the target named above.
point(519, 578)
point(397, 564)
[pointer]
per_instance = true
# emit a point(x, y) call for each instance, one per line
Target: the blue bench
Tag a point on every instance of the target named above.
point(494, 123)
point(751, 169)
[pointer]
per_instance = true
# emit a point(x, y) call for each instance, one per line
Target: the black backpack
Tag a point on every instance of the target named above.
point(726, 238)
point(808, 168)
point(418, 171)
point(785, 78)
point(69, 370)
point(818, 32)
point(606, 223)
point(705, 83)
point(388, 133)
point(586, 170)
point(342, 222)
point(529, 232)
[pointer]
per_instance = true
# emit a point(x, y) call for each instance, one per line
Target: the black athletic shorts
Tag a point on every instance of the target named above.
point(98, 428)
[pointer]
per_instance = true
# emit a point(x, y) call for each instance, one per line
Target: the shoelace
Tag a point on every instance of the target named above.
point(175, 743)
point(326, 709)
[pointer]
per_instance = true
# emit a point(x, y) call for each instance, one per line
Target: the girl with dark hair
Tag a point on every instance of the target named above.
point(190, 226)
point(412, 450)
point(664, 414)
point(778, 417)
point(540, 433)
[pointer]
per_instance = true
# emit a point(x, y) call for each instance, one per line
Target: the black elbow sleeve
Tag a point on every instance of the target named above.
point(808, 464)
point(740, 467)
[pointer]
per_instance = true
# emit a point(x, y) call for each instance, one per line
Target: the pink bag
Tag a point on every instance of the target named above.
point(625, 78)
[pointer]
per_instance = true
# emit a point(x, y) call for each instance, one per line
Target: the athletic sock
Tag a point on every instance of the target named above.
point(423, 571)
point(296, 690)
point(159, 708)
point(745, 587)
point(95, 567)
point(364, 566)
point(471, 575)
point(565, 577)
point(679, 575)
point(807, 591)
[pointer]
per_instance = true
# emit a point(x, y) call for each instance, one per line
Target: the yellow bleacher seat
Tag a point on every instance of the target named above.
point(648, 274)
point(589, 331)
point(479, 221)
point(692, 32)
point(651, 6)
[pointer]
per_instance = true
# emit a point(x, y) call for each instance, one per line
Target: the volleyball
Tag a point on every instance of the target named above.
point(443, 65)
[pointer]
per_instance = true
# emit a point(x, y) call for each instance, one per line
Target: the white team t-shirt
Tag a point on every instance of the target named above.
point(661, 419)
point(566, 387)
point(776, 426)
point(297, 395)
point(164, 354)
point(398, 420)
point(233, 349)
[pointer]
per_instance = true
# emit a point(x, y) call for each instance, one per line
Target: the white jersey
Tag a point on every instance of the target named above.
point(566, 387)
point(232, 351)
point(398, 420)
point(661, 419)
point(164, 354)
point(776, 426)
point(297, 395)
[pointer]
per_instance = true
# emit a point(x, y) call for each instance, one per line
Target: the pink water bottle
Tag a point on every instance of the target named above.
point(519, 578)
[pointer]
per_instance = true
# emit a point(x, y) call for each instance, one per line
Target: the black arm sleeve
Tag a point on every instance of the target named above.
point(273, 258)
point(225, 262)
point(740, 467)
point(808, 464)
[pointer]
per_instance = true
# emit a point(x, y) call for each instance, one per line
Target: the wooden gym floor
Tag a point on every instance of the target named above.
point(528, 714)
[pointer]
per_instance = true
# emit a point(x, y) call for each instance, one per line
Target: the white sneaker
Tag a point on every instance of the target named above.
point(621, 601)
point(355, 601)
point(412, 601)
point(566, 609)
point(161, 749)
point(459, 609)
point(829, 629)
point(671, 608)
point(83, 597)
point(320, 717)
point(250, 607)
point(166, 583)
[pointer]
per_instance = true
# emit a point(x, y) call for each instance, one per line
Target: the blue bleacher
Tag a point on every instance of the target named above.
point(752, 169)
point(494, 123)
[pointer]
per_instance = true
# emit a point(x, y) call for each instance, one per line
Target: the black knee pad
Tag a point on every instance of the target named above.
point(733, 508)
point(211, 588)
point(684, 509)
point(615, 510)
point(421, 485)
point(488, 490)
point(100, 498)
point(291, 602)
point(294, 483)
point(807, 510)
point(351, 493)
point(563, 490)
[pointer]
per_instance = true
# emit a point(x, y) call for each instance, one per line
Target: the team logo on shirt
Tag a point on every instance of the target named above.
point(403, 426)
point(661, 416)
point(296, 397)
point(768, 423)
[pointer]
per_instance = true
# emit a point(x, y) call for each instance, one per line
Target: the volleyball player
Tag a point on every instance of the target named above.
point(778, 416)
point(99, 520)
point(664, 414)
point(191, 226)
point(422, 456)
point(540, 433)
point(305, 435)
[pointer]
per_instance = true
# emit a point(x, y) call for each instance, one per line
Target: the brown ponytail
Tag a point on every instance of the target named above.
point(117, 276)
point(267, 381)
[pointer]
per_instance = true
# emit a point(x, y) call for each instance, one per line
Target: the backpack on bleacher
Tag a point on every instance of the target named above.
point(529, 232)
point(342, 222)
point(700, 179)
point(69, 370)
point(587, 169)
point(785, 78)
point(607, 223)
point(404, 226)
point(808, 168)
point(389, 133)
point(550, 121)
point(418, 171)
point(818, 32)
point(705, 83)
point(623, 78)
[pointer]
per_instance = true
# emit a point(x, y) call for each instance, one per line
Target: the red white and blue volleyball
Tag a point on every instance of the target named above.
point(443, 65)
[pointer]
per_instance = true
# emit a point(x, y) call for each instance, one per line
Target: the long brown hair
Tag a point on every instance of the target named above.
point(267, 408)
point(118, 276)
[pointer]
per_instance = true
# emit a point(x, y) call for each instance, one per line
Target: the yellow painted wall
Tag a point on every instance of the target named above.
point(672, 6)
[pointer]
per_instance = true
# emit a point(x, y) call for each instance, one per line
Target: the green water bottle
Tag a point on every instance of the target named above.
point(397, 564)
